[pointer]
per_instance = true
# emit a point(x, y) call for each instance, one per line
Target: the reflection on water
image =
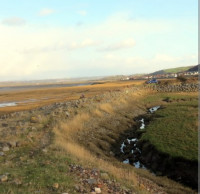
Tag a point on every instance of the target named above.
point(26, 101)
point(132, 150)
point(25, 87)
point(154, 109)
point(5, 104)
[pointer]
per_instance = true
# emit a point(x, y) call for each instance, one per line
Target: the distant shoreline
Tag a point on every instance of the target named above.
point(25, 87)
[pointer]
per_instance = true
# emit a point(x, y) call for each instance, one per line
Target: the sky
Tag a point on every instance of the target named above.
point(52, 39)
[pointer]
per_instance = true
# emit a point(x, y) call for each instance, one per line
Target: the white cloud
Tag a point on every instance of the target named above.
point(82, 12)
point(80, 23)
point(46, 11)
point(69, 46)
point(129, 43)
point(14, 21)
point(166, 58)
point(34, 52)
point(137, 64)
point(82, 44)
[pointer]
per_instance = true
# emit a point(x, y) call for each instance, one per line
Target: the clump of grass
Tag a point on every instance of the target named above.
point(106, 107)
point(120, 102)
point(97, 113)
point(74, 125)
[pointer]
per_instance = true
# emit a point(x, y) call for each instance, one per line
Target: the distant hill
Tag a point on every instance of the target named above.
point(195, 68)
point(172, 70)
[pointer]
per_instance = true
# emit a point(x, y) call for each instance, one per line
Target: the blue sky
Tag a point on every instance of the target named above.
point(63, 38)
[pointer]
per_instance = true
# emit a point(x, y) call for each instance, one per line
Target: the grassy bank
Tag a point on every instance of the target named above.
point(89, 135)
point(174, 129)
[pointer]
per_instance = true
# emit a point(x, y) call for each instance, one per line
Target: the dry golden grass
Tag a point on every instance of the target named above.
point(106, 107)
point(65, 138)
point(130, 100)
point(97, 113)
point(86, 157)
point(73, 126)
point(48, 96)
point(122, 101)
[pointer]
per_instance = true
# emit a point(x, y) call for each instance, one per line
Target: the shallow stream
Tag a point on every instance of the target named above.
point(129, 146)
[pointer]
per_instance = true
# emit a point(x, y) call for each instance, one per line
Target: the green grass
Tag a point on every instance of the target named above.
point(37, 172)
point(173, 70)
point(178, 69)
point(174, 129)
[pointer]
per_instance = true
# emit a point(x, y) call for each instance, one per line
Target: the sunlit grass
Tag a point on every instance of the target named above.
point(174, 129)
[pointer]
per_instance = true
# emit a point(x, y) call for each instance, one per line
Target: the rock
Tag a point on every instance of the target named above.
point(55, 185)
point(67, 114)
point(142, 186)
point(33, 128)
point(5, 149)
point(13, 144)
point(19, 143)
point(77, 188)
point(22, 158)
point(44, 150)
point(34, 120)
point(82, 189)
point(99, 185)
point(1, 153)
point(3, 178)
point(17, 182)
point(13, 128)
point(97, 190)
point(30, 134)
point(39, 117)
point(104, 175)
point(92, 181)
point(4, 125)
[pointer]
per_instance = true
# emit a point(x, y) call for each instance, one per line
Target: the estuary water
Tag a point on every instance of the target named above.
point(25, 87)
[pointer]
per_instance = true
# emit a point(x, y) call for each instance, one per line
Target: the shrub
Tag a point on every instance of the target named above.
point(182, 78)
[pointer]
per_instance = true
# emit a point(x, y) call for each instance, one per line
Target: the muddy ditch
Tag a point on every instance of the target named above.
point(131, 149)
